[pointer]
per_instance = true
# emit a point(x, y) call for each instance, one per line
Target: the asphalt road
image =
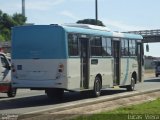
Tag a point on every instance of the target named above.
point(28, 101)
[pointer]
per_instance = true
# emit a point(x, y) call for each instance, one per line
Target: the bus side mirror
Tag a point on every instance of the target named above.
point(147, 48)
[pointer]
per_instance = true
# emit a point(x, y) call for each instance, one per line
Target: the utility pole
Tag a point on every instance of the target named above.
point(23, 8)
point(96, 11)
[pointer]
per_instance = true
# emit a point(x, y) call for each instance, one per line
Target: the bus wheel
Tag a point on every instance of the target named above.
point(12, 92)
point(97, 87)
point(131, 87)
point(55, 93)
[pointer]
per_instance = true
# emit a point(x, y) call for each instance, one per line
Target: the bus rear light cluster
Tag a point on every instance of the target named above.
point(61, 68)
point(14, 71)
point(13, 68)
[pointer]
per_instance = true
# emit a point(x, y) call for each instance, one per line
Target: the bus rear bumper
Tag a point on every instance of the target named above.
point(39, 84)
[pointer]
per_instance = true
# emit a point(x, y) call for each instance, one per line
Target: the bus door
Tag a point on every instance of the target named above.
point(84, 48)
point(116, 62)
point(139, 59)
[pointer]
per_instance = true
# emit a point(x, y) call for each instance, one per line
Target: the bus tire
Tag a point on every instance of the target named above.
point(12, 92)
point(131, 87)
point(55, 93)
point(156, 75)
point(97, 87)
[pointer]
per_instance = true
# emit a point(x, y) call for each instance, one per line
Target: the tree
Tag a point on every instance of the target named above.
point(91, 22)
point(2, 38)
point(19, 19)
point(7, 22)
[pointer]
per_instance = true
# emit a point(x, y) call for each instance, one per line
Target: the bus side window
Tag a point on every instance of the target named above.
point(122, 47)
point(109, 47)
point(73, 45)
point(132, 47)
point(126, 50)
point(125, 47)
point(106, 47)
point(96, 46)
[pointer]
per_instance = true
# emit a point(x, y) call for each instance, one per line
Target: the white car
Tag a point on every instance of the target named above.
point(5, 76)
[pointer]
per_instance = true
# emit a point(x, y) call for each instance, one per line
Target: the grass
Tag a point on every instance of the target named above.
point(145, 111)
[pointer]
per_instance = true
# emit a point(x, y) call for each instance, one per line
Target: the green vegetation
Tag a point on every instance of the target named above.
point(91, 22)
point(148, 110)
point(7, 22)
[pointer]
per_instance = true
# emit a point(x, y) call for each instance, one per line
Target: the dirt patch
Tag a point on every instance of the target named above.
point(149, 73)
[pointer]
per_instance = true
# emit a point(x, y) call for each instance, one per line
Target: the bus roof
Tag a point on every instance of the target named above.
point(101, 32)
point(89, 31)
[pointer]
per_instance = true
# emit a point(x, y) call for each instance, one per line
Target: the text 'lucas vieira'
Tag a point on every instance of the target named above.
point(145, 116)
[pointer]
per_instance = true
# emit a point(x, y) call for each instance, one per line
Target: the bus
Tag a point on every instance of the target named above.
point(58, 58)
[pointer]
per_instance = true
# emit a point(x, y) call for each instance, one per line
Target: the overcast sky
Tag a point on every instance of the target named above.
point(118, 15)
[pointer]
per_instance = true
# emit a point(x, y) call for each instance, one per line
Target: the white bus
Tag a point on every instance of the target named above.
point(55, 58)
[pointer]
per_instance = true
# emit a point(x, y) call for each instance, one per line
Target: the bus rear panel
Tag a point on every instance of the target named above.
point(39, 57)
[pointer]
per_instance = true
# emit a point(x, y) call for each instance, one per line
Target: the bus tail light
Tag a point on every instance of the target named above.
point(13, 68)
point(61, 68)
point(14, 71)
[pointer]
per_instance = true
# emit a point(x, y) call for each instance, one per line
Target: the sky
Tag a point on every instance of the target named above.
point(117, 15)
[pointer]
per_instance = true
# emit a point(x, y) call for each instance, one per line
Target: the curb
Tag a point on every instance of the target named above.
point(77, 104)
